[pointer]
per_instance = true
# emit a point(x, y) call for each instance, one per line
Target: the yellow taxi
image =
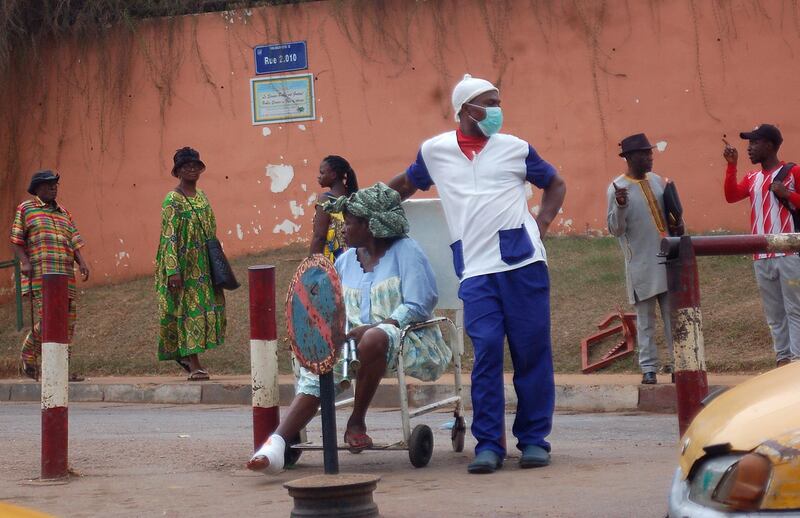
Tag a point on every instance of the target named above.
point(741, 454)
point(12, 511)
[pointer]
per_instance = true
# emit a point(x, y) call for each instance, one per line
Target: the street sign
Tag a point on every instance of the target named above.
point(283, 57)
point(315, 314)
point(282, 98)
point(315, 319)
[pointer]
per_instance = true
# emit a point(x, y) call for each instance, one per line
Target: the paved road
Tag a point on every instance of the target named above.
point(157, 460)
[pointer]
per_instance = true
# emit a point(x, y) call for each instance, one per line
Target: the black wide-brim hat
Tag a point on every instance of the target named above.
point(40, 177)
point(185, 155)
point(636, 142)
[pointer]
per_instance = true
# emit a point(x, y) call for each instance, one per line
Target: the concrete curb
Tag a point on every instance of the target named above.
point(569, 397)
point(598, 398)
point(5, 392)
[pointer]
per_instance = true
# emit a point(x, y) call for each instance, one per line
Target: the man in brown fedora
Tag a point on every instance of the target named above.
point(636, 218)
point(45, 240)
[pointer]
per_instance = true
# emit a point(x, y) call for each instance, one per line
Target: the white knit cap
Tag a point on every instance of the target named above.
point(467, 89)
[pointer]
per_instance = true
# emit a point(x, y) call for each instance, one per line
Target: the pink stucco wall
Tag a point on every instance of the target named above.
point(575, 77)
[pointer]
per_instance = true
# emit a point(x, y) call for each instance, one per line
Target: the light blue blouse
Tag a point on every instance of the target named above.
point(400, 287)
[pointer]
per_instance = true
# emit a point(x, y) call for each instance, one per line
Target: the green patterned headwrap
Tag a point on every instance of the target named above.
point(379, 204)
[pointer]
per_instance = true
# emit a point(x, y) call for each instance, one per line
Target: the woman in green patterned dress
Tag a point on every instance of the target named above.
point(191, 310)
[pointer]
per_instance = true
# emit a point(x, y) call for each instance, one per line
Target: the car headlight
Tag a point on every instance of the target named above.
point(707, 477)
point(731, 482)
point(744, 484)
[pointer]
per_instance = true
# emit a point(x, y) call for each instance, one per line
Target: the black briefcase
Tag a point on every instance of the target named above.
point(673, 210)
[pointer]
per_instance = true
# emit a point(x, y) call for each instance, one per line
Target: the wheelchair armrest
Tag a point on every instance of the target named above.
point(420, 325)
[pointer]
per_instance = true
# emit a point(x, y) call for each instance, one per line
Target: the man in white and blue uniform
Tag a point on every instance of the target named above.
point(498, 254)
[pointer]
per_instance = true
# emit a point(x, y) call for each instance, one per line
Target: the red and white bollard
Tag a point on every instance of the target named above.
point(263, 353)
point(691, 381)
point(55, 376)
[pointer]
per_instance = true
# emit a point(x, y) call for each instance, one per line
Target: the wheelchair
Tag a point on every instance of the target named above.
point(428, 225)
point(419, 440)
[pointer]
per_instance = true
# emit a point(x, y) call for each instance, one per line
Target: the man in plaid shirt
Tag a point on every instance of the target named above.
point(45, 240)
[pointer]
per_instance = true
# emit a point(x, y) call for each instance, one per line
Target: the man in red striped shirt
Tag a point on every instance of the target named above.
point(777, 274)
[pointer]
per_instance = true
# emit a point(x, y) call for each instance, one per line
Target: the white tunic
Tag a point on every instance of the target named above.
point(484, 200)
point(639, 237)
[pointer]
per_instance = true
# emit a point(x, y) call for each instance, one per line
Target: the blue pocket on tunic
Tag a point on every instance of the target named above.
point(515, 245)
point(458, 257)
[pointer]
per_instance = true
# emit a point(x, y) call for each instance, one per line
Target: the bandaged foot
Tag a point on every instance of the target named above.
point(269, 458)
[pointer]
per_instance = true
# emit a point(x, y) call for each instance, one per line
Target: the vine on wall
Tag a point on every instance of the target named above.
point(41, 95)
point(43, 46)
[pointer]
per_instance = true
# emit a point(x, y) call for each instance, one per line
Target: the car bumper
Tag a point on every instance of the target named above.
point(681, 507)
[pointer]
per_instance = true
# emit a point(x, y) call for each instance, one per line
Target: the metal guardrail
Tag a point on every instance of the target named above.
point(734, 245)
point(691, 381)
point(14, 263)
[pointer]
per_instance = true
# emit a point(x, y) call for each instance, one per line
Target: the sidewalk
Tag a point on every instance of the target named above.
point(574, 392)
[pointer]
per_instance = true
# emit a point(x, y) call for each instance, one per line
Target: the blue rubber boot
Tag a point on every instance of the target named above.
point(534, 457)
point(486, 461)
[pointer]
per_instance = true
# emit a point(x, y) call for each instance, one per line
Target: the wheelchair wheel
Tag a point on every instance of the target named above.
point(457, 434)
point(291, 455)
point(420, 446)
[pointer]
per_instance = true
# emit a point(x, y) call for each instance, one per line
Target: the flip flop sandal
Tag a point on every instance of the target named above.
point(358, 442)
point(199, 375)
point(184, 363)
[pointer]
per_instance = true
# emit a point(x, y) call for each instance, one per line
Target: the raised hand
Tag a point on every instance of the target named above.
point(730, 154)
point(621, 194)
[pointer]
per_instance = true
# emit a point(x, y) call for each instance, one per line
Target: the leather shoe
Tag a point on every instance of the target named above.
point(649, 378)
point(534, 457)
point(783, 361)
point(486, 461)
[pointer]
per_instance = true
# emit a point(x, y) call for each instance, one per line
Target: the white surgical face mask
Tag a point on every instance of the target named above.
point(493, 121)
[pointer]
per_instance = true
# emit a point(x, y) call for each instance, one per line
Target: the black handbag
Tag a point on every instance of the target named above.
point(221, 272)
point(673, 209)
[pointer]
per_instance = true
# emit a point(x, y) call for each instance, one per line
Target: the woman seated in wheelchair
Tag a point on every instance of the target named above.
point(387, 283)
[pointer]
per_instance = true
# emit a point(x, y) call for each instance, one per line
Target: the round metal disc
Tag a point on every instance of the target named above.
point(315, 314)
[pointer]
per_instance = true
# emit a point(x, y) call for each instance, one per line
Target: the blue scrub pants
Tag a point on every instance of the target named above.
point(513, 304)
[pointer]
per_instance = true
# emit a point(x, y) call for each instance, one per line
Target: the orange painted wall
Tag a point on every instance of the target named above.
point(575, 77)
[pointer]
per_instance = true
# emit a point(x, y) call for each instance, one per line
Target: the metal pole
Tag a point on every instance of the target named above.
point(18, 293)
point(263, 353)
point(735, 245)
point(691, 383)
point(330, 449)
point(55, 375)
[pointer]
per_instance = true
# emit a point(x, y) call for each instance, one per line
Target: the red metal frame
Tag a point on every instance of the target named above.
point(623, 348)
